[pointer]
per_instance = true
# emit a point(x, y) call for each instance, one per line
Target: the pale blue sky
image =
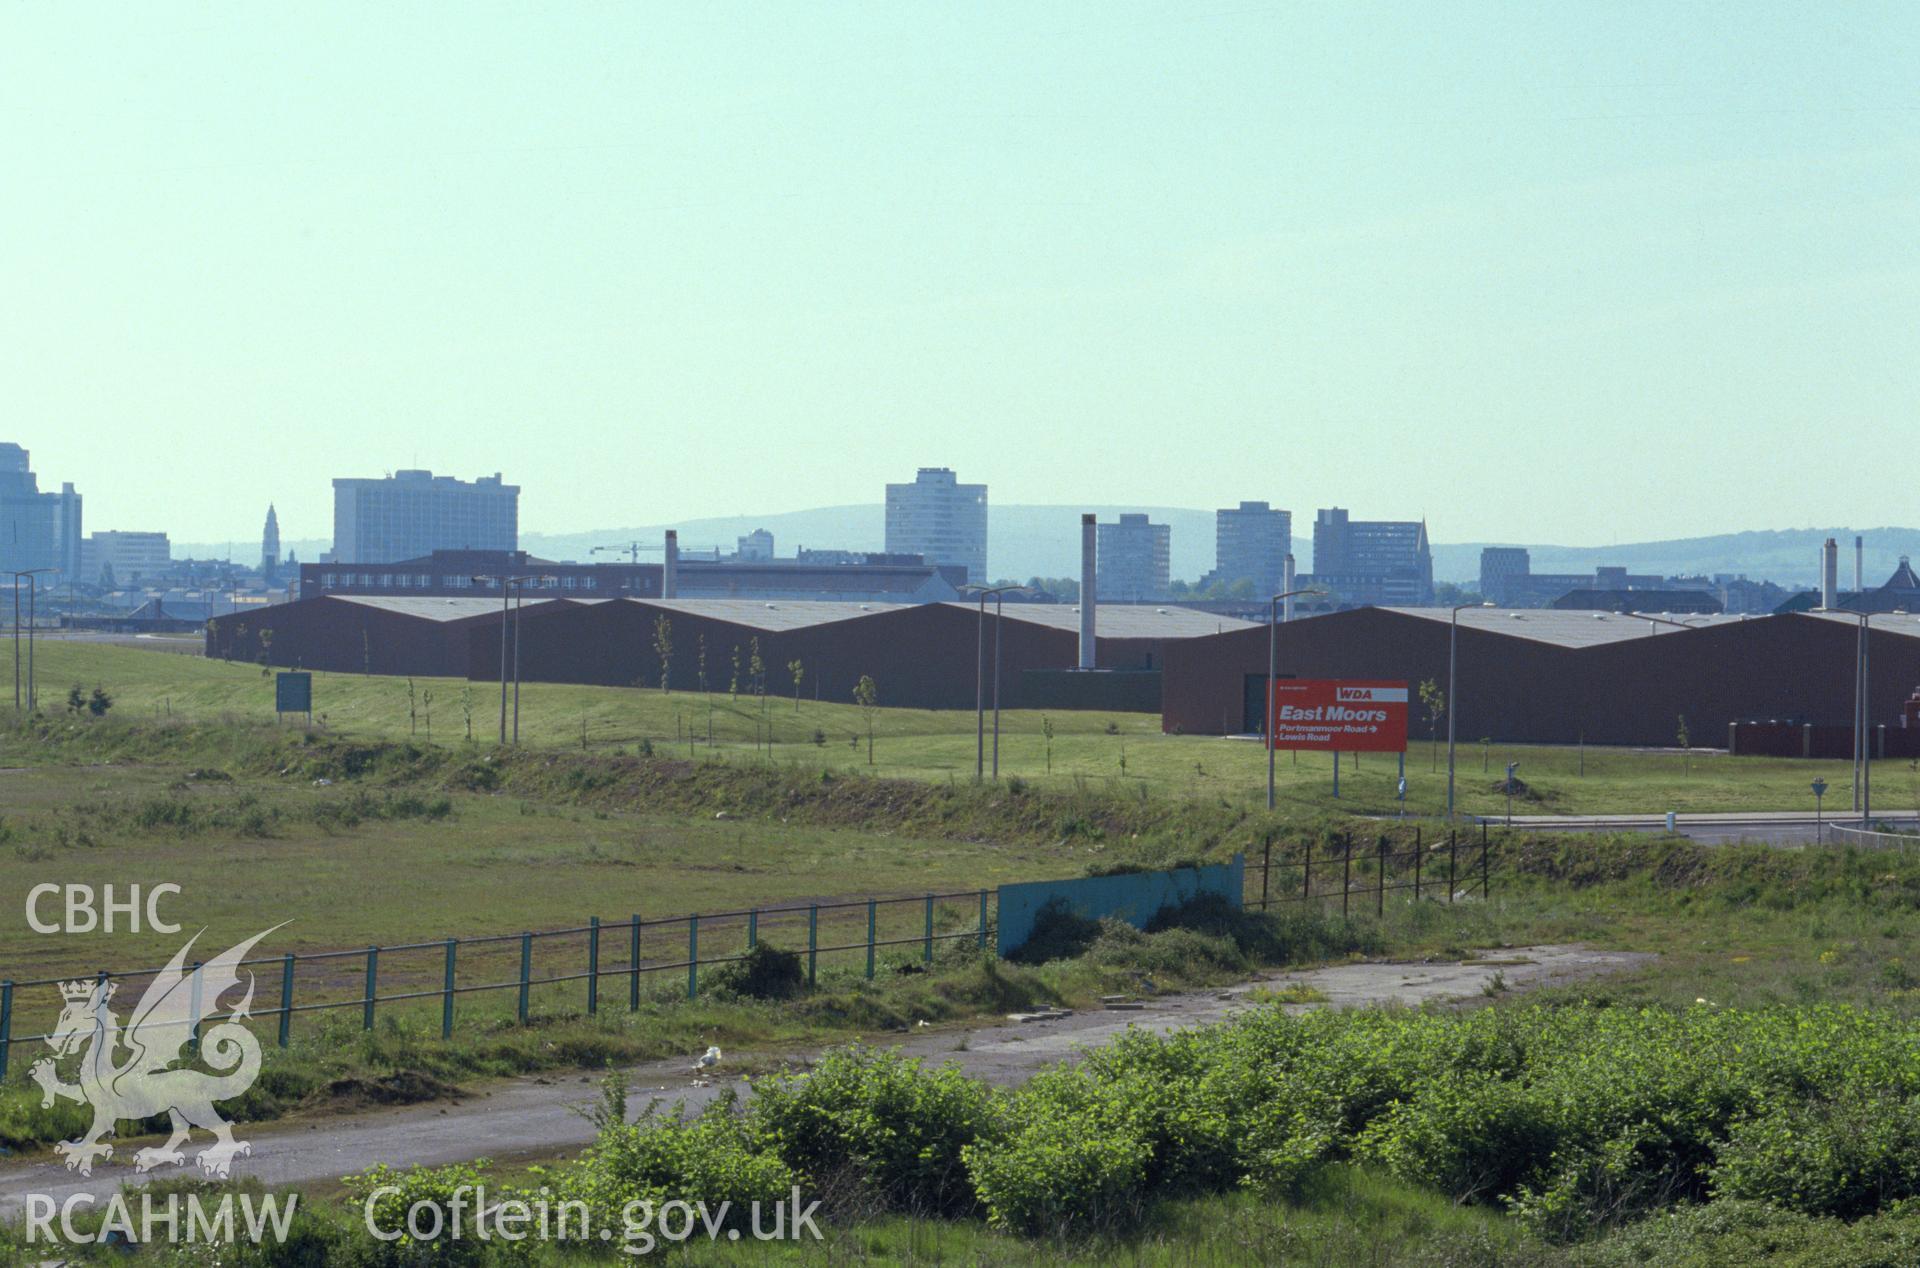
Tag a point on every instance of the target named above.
point(1552, 272)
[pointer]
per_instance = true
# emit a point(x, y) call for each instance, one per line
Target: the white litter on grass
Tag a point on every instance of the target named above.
point(711, 1057)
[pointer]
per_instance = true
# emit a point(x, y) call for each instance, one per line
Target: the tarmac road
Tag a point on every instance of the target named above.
point(542, 1116)
point(1786, 827)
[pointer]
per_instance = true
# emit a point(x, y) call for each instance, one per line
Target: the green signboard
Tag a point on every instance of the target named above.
point(293, 693)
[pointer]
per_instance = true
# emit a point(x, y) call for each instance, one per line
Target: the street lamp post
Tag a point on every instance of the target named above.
point(980, 678)
point(507, 583)
point(16, 642)
point(1862, 709)
point(1453, 701)
point(32, 587)
point(1273, 673)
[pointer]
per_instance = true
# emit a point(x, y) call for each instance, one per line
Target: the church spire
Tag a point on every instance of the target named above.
point(270, 543)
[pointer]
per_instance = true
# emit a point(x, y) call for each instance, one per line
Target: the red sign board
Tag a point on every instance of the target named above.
point(1343, 716)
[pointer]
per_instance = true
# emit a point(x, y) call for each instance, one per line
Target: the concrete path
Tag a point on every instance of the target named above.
point(540, 1116)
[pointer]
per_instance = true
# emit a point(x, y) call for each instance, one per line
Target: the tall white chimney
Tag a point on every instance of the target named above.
point(670, 569)
point(1088, 588)
point(1286, 588)
point(1859, 564)
point(1830, 574)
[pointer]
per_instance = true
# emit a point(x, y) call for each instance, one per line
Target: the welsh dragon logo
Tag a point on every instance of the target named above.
point(151, 1079)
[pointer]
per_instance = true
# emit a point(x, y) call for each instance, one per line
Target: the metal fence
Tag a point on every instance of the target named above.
point(1870, 838)
point(590, 957)
point(607, 960)
point(1443, 869)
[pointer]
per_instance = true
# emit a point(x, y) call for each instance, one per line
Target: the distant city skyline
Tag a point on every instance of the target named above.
point(665, 263)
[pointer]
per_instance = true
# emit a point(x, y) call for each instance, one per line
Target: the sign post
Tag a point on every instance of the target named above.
point(1819, 791)
point(293, 693)
point(1332, 716)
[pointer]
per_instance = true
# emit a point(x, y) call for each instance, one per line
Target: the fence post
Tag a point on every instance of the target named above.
point(1453, 843)
point(813, 942)
point(526, 971)
point(753, 928)
point(1346, 874)
point(1266, 869)
point(286, 998)
point(1380, 881)
point(928, 954)
point(193, 1006)
point(1419, 853)
point(446, 994)
point(1486, 879)
point(633, 966)
point(373, 987)
point(1306, 874)
point(6, 1024)
point(983, 920)
point(871, 909)
point(693, 956)
point(593, 965)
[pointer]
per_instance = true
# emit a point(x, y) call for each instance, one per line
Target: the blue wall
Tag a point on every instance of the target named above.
point(1135, 897)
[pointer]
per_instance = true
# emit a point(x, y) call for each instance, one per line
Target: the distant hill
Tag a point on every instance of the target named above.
point(1790, 557)
point(1027, 540)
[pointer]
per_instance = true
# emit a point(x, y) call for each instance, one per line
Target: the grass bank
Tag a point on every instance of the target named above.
point(1063, 750)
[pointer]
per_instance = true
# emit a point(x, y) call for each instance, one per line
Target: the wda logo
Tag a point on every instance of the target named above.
point(162, 1030)
point(1371, 695)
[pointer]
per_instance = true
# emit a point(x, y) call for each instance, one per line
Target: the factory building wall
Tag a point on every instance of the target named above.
point(919, 657)
point(1515, 690)
point(336, 636)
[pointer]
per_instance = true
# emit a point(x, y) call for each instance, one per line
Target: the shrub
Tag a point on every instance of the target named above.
point(766, 972)
point(1059, 933)
point(1073, 1163)
point(711, 1157)
point(418, 1186)
point(1847, 1157)
point(896, 1125)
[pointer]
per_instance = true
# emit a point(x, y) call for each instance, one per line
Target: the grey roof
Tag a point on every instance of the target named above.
point(1568, 628)
point(1121, 620)
point(771, 614)
point(1887, 622)
point(426, 608)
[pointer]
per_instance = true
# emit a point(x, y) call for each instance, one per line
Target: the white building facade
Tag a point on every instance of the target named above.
point(941, 520)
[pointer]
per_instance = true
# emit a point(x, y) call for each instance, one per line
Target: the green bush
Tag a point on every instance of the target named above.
point(1579, 1119)
point(430, 1186)
point(1058, 933)
point(1071, 1163)
point(896, 1125)
point(1847, 1157)
point(711, 1157)
point(766, 972)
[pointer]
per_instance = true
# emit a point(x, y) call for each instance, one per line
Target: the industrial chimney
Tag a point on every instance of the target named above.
point(1286, 587)
point(1859, 564)
point(1087, 591)
point(1830, 574)
point(670, 569)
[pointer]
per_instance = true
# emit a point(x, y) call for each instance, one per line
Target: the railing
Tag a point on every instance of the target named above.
point(592, 955)
point(494, 957)
point(1871, 839)
point(1445, 869)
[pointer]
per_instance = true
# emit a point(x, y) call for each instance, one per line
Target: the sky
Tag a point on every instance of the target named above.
point(1537, 272)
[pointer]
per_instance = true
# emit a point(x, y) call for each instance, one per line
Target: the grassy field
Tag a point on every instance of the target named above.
point(400, 843)
point(1124, 752)
point(368, 832)
point(1735, 928)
